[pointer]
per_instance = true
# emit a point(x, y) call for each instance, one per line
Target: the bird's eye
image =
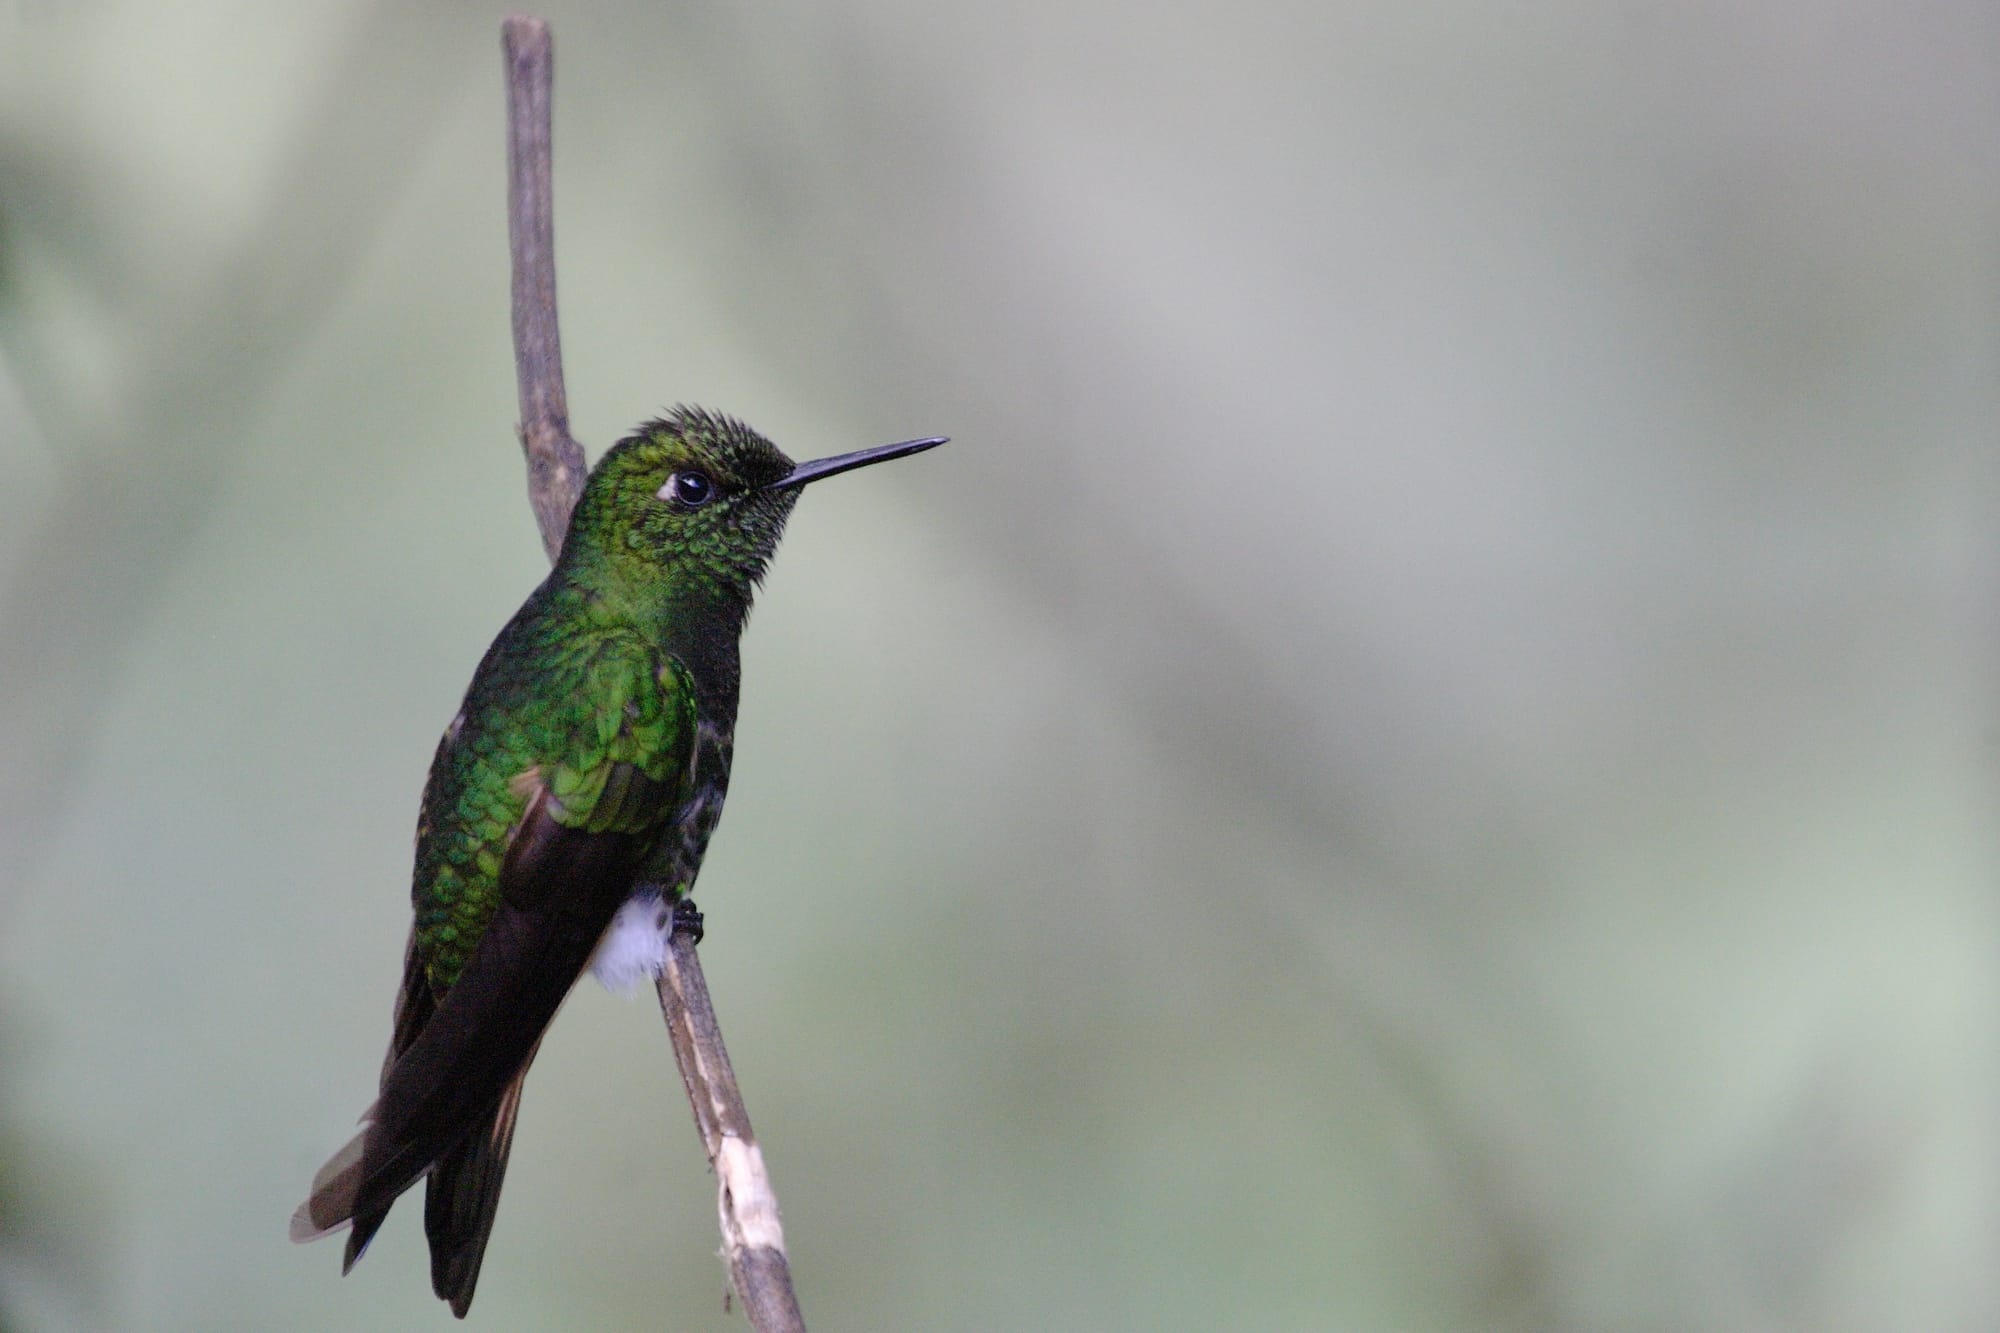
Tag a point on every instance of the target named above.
point(691, 489)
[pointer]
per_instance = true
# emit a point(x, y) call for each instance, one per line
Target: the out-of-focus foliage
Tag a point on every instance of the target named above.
point(1423, 761)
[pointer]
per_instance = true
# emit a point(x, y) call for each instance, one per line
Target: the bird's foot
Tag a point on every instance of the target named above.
point(687, 920)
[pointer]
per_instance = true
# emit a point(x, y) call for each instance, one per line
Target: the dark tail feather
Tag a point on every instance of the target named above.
point(414, 1006)
point(464, 1195)
point(365, 1227)
point(357, 1239)
point(331, 1205)
point(336, 1189)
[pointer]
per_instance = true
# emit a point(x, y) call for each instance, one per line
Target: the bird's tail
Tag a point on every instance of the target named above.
point(460, 1200)
point(462, 1196)
point(330, 1206)
point(336, 1190)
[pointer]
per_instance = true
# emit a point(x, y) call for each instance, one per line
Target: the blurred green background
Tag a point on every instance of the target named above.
point(1423, 761)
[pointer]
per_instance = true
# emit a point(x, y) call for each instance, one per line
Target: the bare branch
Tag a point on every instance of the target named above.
point(752, 1237)
point(555, 461)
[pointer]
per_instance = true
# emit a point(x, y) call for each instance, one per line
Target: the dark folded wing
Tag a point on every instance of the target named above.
point(559, 889)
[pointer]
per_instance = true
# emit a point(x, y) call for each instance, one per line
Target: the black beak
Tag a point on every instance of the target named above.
point(826, 467)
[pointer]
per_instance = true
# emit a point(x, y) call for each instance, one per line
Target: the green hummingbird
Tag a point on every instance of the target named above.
point(566, 814)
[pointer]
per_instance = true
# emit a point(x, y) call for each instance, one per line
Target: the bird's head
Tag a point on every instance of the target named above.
point(699, 499)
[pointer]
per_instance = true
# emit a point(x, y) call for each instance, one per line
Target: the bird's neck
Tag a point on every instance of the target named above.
point(695, 615)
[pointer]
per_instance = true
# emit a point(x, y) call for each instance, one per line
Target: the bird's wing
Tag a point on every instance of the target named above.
point(591, 814)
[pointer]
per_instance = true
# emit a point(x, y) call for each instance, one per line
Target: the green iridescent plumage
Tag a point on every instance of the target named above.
point(604, 720)
point(585, 771)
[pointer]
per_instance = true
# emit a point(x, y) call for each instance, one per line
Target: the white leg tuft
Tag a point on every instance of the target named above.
point(634, 947)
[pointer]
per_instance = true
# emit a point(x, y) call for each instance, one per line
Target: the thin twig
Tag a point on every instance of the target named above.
point(752, 1238)
point(555, 461)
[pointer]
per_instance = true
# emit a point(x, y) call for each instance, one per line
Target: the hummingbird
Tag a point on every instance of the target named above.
point(566, 813)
